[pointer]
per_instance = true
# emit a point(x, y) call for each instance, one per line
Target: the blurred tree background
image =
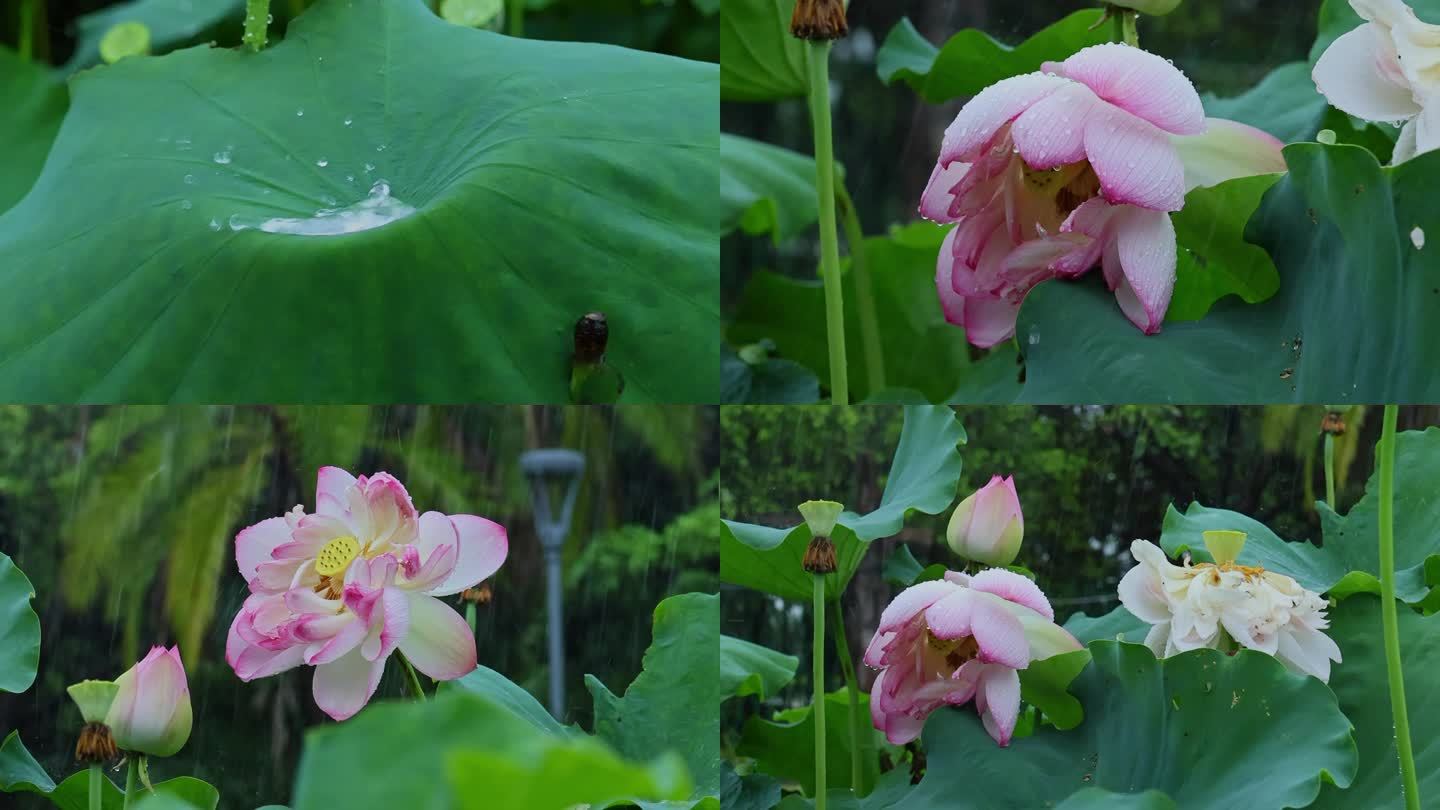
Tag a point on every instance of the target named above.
point(124, 520)
point(678, 27)
point(1090, 480)
point(888, 138)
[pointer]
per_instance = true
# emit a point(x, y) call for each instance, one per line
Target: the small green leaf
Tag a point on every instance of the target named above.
point(509, 695)
point(1045, 684)
point(1117, 625)
point(1214, 260)
point(169, 24)
point(759, 60)
point(901, 568)
point(765, 189)
point(970, 61)
point(784, 747)
point(752, 791)
point(747, 668)
point(770, 380)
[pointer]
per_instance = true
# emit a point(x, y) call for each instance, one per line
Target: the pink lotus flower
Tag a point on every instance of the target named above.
point(150, 712)
point(946, 641)
point(343, 588)
point(1387, 69)
point(1050, 173)
point(987, 527)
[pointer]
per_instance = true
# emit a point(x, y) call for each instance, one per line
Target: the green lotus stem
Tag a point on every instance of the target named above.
point(515, 18)
point(96, 774)
point(864, 292)
point(1129, 34)
point(1388, 612)
point(26, 47)
point(819, 59)
point(132, 778)
point(1329, 470)
point(257, 22)
point(852, 686)
point(817, 675)
point(414, 680)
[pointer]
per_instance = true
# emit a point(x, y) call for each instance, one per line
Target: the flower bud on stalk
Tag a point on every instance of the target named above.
point(987, 527)
point(151, 710)
point(819, 20)
point(820, 516)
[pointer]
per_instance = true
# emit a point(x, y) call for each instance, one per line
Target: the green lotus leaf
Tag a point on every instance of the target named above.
point(19, 629)
point(901, 568)
point(1359, 683)
point(765, 189)
point(508, 694)
point(759, 60)
point(1213, 259)
point(970, 61)
point(769, 379)
point(1357, 316)
point(485, 192)
point(1348, 561)
point(923, 476)
point(784, 746)
point(1203, 728)
point(753, 791)
point(34, 100)
point(20, 773)
point(792, 314)
point(1117, 625)
point(670, 707)
point(747, 668)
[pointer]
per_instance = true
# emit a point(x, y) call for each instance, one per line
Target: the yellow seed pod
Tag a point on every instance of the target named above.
point(125, 39)
point(335, 555)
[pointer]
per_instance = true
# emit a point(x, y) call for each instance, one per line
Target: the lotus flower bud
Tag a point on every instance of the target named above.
point(96, 744)
point(820, 516)
point(151, 710)
point(987, 527)
point(1154, 8)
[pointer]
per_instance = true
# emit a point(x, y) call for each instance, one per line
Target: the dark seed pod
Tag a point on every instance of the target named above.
point(479, 595)
point(1333, 423)
point(819, 20)
point(591, 334)
point(95, 744)
point(820, 556)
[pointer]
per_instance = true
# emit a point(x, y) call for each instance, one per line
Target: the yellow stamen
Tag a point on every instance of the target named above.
point(336, 555)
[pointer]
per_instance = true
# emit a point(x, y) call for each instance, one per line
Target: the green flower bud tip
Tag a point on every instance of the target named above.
point(1224, 546)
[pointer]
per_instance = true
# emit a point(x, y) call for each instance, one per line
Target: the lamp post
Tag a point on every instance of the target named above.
point(554, 472)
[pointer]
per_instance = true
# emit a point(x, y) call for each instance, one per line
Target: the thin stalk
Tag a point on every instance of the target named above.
point(852, 686)
point(96, 774)
point(1388, 616)
point(257, 23)
point(1329, 470)
point(132, 778)
point(864, 292)
point(27, 29)
point(819, 60)
point(818, 677)
point(1129, 34)
point(413, 679)
point(515, 18)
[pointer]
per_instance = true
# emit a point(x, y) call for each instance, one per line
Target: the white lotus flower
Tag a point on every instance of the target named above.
point(1221, 604)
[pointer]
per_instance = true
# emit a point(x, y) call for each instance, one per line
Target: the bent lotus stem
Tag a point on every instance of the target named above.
point(515, 18)
point(1330, 470)
point(864, 292)
point(1388, 616)
point(852, 686)
point(1125, 28)
point(413, 680)
point(817, 675)
point(132, 780)
point(819, 61)
point(25, 46)
point(257, 21)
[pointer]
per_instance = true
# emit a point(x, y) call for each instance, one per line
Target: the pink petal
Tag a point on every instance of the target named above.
point(1013, 587)
point(981, 119)
point(1092, 221)
point(484, 546)
point(1029, 263)
point(951, 302)
point(251, 662)
point(331, 488)
point(388, 625)
point(1135, 161)
point(312, 533)
point(998, 632)
point(910, 602)
point(998, 699)
point(439, 642)
point(1141, 594)
point(1227, 149)
point(345, 640)
point(989, 321)
point(1051, 133)
point(1351, 75)
point(939, 193)
point(951, 617)
point(436, 534)
point(343, 686)
point(1140, 83)
point(255, 544)
point(1145, 241)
